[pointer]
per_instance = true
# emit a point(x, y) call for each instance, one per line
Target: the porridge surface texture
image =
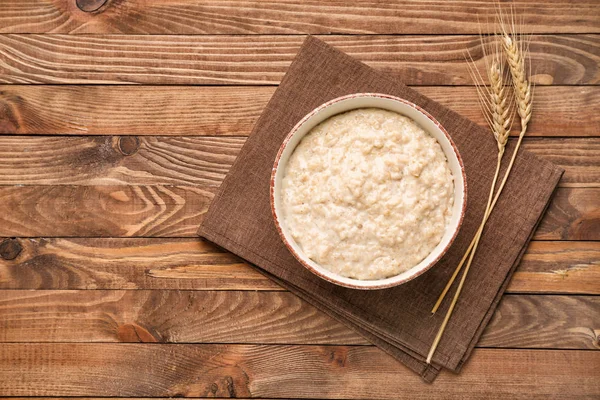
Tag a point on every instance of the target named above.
point(367, 194)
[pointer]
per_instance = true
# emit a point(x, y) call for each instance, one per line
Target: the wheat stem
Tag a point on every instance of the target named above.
point(473, 244)
point(522, 91)
point(500, 122)
point(515, 55)
point(524, 100)
point(475, 241)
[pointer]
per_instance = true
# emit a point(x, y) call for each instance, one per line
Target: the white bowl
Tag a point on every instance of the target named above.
point(400, 106)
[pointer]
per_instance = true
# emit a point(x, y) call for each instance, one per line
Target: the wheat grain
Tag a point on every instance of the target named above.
point(522, 87)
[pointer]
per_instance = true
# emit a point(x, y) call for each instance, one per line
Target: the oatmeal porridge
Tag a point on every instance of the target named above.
point(367, 194)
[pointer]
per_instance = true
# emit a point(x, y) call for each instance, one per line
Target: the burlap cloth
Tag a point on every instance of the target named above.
point(398, 320)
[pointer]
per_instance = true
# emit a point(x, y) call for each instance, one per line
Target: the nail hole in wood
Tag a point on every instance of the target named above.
point(129, 145)
point(90, 5)
point(10, 249)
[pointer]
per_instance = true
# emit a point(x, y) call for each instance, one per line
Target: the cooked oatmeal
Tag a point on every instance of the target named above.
point(367, 194)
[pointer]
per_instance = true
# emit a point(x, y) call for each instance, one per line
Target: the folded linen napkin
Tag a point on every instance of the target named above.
point(398, 320)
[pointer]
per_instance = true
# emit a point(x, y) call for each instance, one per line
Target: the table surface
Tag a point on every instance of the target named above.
point(107, 292)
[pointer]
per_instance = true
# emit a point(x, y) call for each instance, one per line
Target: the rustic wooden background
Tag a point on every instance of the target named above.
point(106, 291)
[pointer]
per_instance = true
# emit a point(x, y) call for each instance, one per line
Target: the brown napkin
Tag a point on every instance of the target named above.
point(398, 319)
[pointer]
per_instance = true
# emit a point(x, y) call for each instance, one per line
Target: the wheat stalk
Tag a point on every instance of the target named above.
point(496, 107)
point(515, 55)
point(495, 103)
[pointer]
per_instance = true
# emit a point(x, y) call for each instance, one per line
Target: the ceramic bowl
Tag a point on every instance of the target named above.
point(400, 106)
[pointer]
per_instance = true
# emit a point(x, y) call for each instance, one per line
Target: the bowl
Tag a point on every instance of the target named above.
point(386, 102)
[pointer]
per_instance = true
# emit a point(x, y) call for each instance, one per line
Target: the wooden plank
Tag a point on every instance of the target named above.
point(259, 60)
point(192, 264)
point(169, 316)
point(523, 321)
point(342, 372)
point(164, 160)
point(102, 211)
point(150, 316)
point(143, 110)
point(176, 211)
point(579, 157)
point(244, 17)
point(558, 267)
point(223, 110)
point(133, 263)
point(573, 214)
point(102, 160)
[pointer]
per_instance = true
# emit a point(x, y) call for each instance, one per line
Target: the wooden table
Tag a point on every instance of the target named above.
point(106, 290)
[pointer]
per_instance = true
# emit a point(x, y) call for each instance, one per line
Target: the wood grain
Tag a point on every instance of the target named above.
point(165, 160)
point(222, 110)
point(259, 60)
point(537, 322)
point(243, 17)
point(168, 316)
point(572, 214)
point(102, 211)
point(176, 211)
point(192, 264)
point(142, 110)
point(142, 307)
point(133, 263)
point(558, 267)
point(284, 371)
point(108, 160)
point(579, 157)
point(521, 321)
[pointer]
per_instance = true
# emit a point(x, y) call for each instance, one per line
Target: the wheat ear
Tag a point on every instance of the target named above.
point(513, 48)
point(496, 107)
point(515, 54)
point(524, 102)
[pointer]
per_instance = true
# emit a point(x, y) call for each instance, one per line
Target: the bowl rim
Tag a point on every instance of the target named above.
point(357, 285)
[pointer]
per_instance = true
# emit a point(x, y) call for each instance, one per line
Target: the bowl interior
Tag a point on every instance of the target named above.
point(399, 106)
